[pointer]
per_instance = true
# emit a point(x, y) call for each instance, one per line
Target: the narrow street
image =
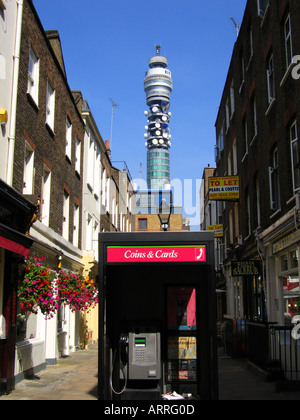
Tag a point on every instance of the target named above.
point(76, 378)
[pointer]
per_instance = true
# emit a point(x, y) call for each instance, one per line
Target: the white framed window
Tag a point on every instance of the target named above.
point(274, 182)
point(295, 156)
point(46, 195)
point(76, 225)
point(68, 138)
point(95, 238)
point(271, 80)
point(28, 175)
point(66, 213)
point(254, 117)
point(262, 7)
point(227, 112)
point(89, 233)
point(257, 192)
point(288, 41)
point(50, 103)
point(248, 203)
point(33, 75)
point(234, 157)
point(245, 133)
point(232, 99)
point(77, 155)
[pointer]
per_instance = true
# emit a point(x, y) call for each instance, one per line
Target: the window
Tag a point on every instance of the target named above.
point(245, 133)
point(257, 197)
point(254, 117)
point(142, 224)
point(68, 138)
point(274, 182)
point(65, 230)
point(248, 205)
point(290, 285)
point(50, 101)
point(45, 196)
point(234, 156)
point(76, 225)
point(77, 155)
point(242, 70)
point(262, 7)
point(288, 41)
point(227, 115)
point(232, 99)
point(33, 75)
point(89, 233)
point(95, 239)
point(28, 177)
point(271, 80)
point(295, 155)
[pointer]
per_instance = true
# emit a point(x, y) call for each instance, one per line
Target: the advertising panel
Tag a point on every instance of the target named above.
point(148, 254)
point(224, 188)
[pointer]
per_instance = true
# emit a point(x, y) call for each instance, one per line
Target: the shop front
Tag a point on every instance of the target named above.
point(282, 247)
point(15, 217)
point(157, 321)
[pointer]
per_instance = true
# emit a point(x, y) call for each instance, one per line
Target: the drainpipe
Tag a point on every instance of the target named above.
point(13, 105)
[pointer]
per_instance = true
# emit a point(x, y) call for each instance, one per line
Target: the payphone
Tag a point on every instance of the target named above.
point(139, 356)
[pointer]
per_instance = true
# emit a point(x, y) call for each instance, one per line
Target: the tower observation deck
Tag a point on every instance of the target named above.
point(158, 86)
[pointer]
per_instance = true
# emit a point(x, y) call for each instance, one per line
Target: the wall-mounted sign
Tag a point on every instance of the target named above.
point(217, 229)
point(224, 188)
point(157, 254)
point(245, 268)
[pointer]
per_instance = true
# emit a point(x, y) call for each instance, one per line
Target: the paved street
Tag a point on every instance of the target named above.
point(73, 378)
point(76, 378)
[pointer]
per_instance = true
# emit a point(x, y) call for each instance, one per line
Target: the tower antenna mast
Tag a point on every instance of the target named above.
point(113, 106)
point(237, 26)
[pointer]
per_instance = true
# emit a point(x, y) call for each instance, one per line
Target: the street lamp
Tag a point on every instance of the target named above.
point(164, 213)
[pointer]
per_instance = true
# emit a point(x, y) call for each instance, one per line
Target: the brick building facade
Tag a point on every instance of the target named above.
point(257, 139)
point(62, 167)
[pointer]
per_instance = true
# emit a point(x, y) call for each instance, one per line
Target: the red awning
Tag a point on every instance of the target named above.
point(14, 246)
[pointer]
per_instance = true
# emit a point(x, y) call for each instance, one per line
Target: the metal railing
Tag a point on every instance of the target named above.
point(285, 350)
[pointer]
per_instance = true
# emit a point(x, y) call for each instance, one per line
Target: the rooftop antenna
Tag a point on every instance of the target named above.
point(236, 25)
point(113, 106)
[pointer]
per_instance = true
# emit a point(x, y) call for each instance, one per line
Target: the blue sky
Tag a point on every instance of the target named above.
point(106, 46)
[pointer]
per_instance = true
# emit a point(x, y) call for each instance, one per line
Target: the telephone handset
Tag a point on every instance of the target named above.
point(139, 356)
point(123, 342)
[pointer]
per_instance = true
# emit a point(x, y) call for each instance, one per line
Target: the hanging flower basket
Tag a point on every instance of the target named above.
point(76, 291)
point(36, 289)
point(40, 290)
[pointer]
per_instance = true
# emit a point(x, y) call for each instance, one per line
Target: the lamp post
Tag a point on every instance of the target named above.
point(164, 214)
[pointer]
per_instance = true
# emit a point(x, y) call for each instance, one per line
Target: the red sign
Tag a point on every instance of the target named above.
point(148, 254)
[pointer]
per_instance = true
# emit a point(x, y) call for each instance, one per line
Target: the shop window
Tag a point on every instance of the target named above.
point(290, 285)
point(182, 342)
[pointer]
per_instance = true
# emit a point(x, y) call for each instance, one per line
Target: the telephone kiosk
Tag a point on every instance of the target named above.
point(139, 364)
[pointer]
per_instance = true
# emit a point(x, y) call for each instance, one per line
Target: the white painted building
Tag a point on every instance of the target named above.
point(10, 34)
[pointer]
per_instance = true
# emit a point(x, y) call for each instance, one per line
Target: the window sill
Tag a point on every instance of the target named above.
point(51, 132)
point(276, 212)
point(32, 101)
point(286, 74)
point(270, 107)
